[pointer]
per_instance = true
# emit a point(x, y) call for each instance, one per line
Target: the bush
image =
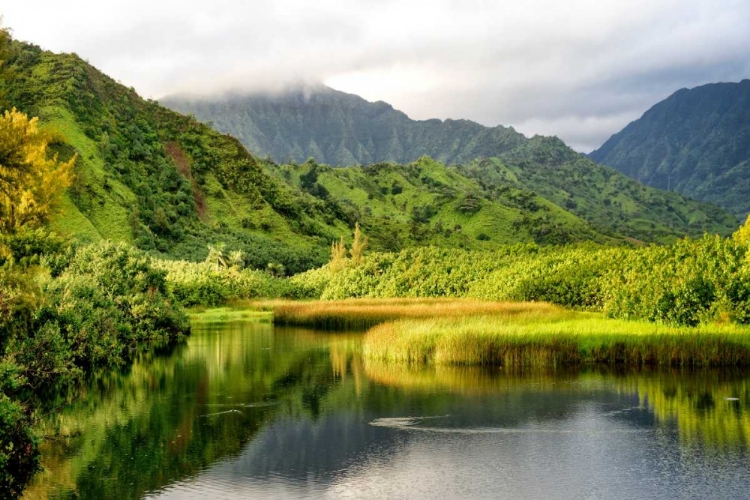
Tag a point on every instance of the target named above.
point(200, 283)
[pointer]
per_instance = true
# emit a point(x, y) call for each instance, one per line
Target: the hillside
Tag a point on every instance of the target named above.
point(342, 129)
point(611, 202)
point(427, 203)
point(696, 142)
point(160, 180)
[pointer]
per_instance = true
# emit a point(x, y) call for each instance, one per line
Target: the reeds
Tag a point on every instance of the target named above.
point(543, 340)
point(360, 314)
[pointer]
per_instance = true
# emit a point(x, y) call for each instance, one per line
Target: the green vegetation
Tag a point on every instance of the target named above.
point(66, 312)
point(695, 142)
point(690, 282)
point(115, 213)
point(161, 181)
point(342, 129)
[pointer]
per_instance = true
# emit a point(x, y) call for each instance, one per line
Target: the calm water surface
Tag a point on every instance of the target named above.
point(246, 410)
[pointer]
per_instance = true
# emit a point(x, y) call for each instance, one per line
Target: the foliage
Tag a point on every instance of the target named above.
point(742, 235)
point(30, 182)
point(65, 312)
point(206, 284)
point(159, 180)
point(688, 283)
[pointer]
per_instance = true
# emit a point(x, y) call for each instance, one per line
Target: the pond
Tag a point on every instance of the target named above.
point(249, 410)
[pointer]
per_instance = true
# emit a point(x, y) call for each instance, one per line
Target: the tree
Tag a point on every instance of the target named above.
point(30, 180)
point(338, 255)
point(216, 256)
point(358, 245)
point(742, 235)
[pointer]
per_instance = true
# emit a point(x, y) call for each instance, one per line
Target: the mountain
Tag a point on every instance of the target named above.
point(158, 179)
point(342, 129)
point(695, 142)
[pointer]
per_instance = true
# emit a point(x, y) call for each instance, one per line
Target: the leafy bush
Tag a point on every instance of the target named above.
point(89, 309)
point(194, 283)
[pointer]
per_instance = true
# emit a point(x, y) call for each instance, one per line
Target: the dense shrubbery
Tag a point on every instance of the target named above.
point(65, 311)
point(690, 282)
point(204, 284)
point(687, 283)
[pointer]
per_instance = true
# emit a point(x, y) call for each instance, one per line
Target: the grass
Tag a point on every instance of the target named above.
point(360, 314)
point(514, 334)
point(555, 339)
point(227, 314)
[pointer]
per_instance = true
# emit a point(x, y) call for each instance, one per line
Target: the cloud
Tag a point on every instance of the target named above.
point(578, 69)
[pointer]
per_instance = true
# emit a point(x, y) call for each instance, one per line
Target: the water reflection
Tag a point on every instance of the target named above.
point(244, 409)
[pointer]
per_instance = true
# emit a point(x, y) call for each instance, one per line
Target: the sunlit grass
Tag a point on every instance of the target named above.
point(227, 314)
point(354, 314)
point(475, 332)
point(552, 340)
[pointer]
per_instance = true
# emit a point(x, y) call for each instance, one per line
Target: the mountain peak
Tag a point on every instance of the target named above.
point(339, 128)
point(695, 142)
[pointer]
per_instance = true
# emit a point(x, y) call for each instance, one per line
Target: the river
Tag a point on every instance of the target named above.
point(249, 410)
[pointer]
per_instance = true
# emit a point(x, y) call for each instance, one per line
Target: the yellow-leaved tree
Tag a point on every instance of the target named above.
point(743, 233)
point(31, 180)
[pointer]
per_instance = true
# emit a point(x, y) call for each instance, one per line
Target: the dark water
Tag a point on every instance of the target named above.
point(244, 410)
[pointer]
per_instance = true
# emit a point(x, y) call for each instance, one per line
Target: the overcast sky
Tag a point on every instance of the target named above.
point(580, 70)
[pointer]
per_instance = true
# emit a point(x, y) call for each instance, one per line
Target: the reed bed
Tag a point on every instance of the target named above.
point(361, 314)
point(550, 339)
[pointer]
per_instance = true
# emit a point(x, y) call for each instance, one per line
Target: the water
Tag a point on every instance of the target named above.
point(243, 410)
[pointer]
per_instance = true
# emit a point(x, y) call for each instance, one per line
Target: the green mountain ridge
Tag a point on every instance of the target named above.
point(170, 184)
point(342, 129)
point(695, 142)
point(339, 128)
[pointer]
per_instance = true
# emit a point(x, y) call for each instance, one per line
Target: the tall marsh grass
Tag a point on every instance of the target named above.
point(571, 338)
point(360, 314)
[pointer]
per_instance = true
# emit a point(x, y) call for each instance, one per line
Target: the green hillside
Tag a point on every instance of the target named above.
point(427, 203)
point(696, 142)
point(160, 180)
point(611, 202)
point(343, 129)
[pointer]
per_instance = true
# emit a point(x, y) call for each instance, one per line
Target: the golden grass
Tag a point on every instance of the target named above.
point(476, 332)
point(352, 314)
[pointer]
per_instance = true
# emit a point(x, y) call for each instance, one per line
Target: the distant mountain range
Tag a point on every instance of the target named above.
point(695, 142)
point(342, 129)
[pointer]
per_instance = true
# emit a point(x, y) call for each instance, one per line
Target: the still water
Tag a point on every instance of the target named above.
point(246, 410)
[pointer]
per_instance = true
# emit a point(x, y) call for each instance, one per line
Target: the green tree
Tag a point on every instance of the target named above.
point(217, 256)
point(359, 244)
